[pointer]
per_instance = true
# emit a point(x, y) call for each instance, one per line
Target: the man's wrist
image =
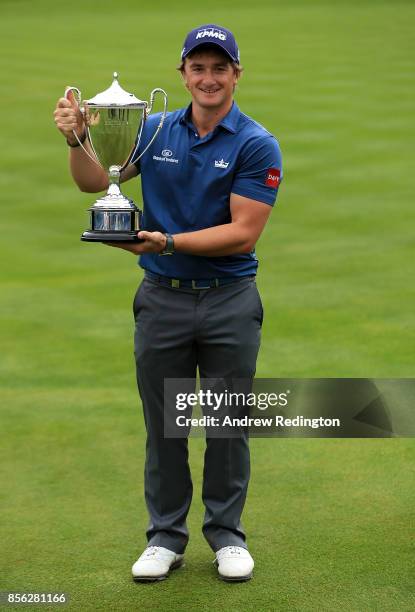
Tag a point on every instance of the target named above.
point(75, 143)
point(169, 246)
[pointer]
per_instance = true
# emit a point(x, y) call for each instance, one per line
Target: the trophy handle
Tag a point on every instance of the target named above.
point(162, 118)
point(78, 97)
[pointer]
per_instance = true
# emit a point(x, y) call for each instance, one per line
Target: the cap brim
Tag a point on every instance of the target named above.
point(216, 43)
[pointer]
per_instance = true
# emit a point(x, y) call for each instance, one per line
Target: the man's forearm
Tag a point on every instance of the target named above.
point(218, 241)
point(86, 173)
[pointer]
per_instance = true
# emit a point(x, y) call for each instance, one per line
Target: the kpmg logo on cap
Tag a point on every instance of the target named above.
point(211, 33)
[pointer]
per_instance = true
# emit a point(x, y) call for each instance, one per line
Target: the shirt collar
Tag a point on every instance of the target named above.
point(184, 117)
point(229, 122)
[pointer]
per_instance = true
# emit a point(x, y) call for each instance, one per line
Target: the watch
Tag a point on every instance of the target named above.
point(81, 139)
point(169, 248)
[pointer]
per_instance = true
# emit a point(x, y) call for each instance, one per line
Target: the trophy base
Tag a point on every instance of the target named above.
point(97, 236)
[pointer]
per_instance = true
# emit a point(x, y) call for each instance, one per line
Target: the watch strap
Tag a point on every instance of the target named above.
point(82, 139)
point(169, 248)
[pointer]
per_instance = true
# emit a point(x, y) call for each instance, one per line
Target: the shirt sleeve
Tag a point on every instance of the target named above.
point(259, 173)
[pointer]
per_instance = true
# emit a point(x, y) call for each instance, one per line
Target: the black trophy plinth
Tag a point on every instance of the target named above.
point(113, 225)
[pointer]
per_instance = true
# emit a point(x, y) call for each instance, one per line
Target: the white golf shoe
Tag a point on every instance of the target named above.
point(234, 563)
point(155, 564)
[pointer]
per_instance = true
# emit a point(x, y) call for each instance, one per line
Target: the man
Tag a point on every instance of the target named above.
point(209, 182)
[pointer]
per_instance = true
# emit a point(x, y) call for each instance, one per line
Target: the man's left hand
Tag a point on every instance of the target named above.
point(154, 242)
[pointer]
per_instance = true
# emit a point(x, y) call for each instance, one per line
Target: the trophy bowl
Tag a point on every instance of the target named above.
point(114, 122)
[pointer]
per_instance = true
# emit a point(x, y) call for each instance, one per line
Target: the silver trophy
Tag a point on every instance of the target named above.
point(114, 122)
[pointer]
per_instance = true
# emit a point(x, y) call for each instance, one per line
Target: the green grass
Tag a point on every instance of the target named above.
point(328, 521)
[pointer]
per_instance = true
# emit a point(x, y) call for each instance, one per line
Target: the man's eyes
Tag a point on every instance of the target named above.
point(217, 69)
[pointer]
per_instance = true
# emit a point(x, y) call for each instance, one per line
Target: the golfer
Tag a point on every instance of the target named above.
point(209, 182)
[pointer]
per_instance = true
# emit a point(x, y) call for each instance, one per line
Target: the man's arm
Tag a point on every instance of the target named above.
point(90, 177)
point(240, 236)
point(248, 219)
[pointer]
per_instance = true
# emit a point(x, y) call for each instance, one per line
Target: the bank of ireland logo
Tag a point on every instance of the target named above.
point(166, 156)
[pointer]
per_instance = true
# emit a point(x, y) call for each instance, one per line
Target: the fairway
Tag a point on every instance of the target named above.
point(329, 522)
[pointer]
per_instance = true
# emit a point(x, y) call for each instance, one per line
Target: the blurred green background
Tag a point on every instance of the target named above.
point(328, 521)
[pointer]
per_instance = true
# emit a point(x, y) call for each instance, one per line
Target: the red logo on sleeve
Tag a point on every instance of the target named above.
point(273, 177)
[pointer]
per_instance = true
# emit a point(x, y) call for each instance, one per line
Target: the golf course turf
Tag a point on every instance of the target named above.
point(329, 522)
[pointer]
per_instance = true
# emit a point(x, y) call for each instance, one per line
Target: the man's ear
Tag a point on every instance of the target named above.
point(236, 76)
point(184, 79)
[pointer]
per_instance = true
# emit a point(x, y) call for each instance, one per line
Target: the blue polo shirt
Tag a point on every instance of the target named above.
point(187, 182)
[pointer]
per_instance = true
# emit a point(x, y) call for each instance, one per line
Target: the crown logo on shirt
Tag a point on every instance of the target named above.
point(221, 163)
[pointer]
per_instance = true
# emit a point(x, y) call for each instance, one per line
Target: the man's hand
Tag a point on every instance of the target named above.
point(68, 117)
point(154, 242)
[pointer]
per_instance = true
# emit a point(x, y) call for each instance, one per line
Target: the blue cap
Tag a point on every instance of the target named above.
point(213, 35)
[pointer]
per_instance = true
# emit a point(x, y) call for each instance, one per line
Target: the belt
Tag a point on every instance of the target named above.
point(197, 284)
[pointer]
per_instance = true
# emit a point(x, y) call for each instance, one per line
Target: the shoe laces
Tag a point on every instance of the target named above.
point(151, 551)
point(156, 553)
point(233, 551)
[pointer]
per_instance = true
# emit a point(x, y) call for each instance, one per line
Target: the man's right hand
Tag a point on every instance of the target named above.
point(68, 117)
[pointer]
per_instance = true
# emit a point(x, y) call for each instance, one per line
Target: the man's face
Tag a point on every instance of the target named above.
point(210, 78)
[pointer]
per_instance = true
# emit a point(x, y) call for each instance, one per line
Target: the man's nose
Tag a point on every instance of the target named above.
point(209, 77)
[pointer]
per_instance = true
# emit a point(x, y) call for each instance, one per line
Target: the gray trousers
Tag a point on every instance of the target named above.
point(177, 332)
